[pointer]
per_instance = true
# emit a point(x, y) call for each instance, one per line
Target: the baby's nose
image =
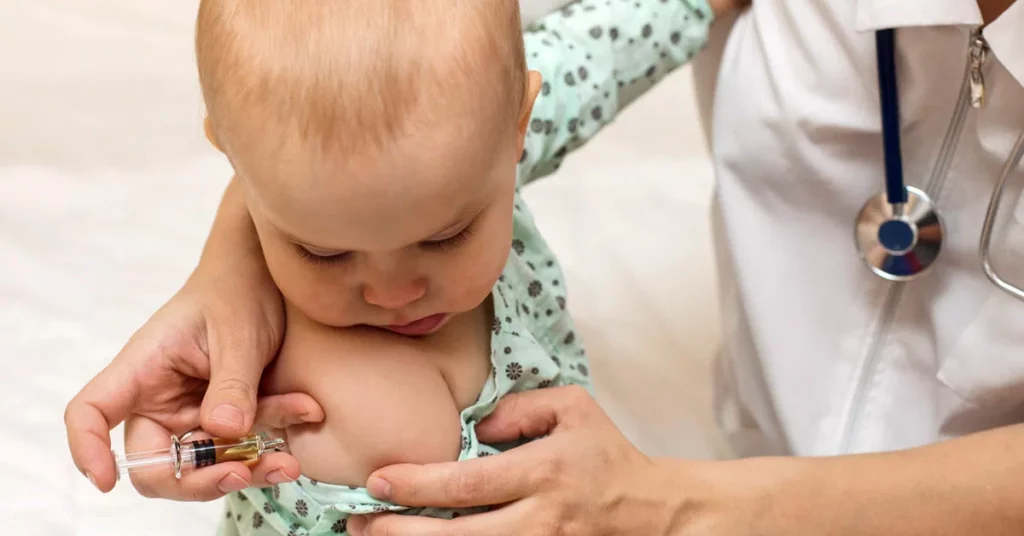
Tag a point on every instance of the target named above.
point(395, 295)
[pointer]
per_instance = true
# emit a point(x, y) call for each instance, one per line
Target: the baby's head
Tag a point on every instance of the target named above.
point(377, 142)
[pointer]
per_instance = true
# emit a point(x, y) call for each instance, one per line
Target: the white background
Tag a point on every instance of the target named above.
point(107, 189)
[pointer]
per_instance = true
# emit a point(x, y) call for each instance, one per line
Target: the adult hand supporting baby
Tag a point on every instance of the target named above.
point(196, 362)
point(584, 478)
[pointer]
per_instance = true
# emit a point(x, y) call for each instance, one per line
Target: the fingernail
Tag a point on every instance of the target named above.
point(232, 483)
point(278, 477)
point(92, 479)
point(379, 488)
point(228, 414)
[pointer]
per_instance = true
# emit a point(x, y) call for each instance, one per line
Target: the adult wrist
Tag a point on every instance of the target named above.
point(690, 497)
point(743, 497)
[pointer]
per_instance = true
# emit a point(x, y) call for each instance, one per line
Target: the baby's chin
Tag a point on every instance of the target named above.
point(429, 320)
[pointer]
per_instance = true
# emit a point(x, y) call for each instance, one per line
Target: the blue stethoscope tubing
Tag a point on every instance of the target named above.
point(895, 186)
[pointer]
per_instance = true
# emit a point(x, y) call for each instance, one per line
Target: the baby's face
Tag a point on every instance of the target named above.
point(400, 238)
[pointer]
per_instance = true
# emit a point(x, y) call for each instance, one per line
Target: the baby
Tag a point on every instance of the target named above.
point(381, 145)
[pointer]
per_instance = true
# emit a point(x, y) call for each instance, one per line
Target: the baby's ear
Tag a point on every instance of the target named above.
point(208, 127)
point(533, 84)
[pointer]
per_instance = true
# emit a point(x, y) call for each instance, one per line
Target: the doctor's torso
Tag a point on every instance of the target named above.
point(819, 355)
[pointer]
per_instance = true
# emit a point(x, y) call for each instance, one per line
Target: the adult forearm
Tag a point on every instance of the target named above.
point(963, 487)
point(232, 240)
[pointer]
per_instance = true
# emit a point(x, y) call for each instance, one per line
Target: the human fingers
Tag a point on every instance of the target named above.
point(505, 521)
point(206, 484)
point(498, 479)
point(202, 485)
point(533, 414)
point(282, 411)
point(276, 413)
point(101, 405)
point(236, 365)
point(275, 468)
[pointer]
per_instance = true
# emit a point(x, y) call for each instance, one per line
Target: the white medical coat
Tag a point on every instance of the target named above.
point(820, 356)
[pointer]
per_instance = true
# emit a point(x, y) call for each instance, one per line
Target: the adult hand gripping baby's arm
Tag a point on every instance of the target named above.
point(585, 477)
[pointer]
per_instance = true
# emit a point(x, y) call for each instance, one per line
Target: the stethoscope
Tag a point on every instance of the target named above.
point(899, 232)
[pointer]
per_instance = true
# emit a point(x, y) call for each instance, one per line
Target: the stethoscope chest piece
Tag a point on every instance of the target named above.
point(902, 241)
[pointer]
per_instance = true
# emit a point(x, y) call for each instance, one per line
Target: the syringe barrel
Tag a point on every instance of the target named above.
point(144, 461)
point(206, 452)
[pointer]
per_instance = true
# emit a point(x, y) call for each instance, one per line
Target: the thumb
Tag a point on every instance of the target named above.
point(533, 414)
point(236, 364)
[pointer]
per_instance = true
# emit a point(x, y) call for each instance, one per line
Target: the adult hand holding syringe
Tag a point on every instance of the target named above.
point(203, 352)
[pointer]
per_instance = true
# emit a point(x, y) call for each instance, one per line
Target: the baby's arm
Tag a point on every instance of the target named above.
point(386, 398)
point(596, 57)
point(384, 403)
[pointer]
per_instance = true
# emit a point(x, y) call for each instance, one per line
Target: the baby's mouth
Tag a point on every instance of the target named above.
point(421, 327)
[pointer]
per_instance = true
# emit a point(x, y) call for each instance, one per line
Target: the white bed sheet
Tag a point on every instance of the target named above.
point(107, 189)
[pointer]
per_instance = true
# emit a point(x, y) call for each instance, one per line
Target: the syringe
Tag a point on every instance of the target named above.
point(199, 453)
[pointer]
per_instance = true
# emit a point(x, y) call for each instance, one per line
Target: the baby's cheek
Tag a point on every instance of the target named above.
point(281, 268)
point(480, 272)
point(324, 303)
point(317, 291)
point(311, 289)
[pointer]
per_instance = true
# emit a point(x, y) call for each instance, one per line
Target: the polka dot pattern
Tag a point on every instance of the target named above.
point(591, 69)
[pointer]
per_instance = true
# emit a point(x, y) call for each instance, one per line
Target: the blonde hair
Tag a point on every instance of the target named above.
point(355, 72)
